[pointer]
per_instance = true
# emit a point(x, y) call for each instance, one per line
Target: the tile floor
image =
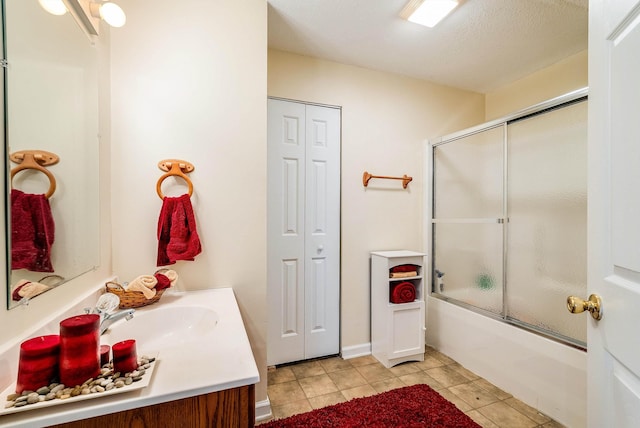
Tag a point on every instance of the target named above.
point(310, 385)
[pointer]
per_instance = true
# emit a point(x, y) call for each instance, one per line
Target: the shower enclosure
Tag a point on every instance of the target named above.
point(509, 217)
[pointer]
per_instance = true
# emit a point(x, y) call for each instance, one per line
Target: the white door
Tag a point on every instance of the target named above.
point(614, 213)
point(303, 231)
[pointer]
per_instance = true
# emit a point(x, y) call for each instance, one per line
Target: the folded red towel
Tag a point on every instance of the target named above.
point(403, 292)
point(404, 268)
point(32, 232)
point(163, 281)
point(177, 235)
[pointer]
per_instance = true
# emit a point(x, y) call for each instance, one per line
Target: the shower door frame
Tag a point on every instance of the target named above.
point(566, 100)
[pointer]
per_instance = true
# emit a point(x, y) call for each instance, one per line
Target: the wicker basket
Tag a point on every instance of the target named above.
point(131, 299)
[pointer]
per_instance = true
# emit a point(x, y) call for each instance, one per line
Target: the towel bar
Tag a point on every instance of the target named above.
point(366, 177)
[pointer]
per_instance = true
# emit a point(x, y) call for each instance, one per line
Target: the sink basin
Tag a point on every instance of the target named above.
point(164, 327)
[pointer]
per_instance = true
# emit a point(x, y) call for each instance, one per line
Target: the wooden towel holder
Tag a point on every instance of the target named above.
point(36, 159)
point(175, 167)
point(366, 177)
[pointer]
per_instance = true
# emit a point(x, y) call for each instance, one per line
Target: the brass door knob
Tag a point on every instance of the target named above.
point(576, 305)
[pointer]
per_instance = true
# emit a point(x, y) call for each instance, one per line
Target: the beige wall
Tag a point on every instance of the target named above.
point(565, 76)
point(189, 82)
point(385, 120)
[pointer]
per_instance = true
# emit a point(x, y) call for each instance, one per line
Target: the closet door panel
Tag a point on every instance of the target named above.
point(322, 242)
point(285, 232)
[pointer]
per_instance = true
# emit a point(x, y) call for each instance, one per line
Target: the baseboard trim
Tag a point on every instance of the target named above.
point(263, 410)
point(355, 351)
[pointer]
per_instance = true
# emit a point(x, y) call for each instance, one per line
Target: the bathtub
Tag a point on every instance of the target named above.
point(545, 374)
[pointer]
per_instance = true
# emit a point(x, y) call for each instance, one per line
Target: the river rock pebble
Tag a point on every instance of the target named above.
point(105, 381)
point(57, 388)
point(43, 391)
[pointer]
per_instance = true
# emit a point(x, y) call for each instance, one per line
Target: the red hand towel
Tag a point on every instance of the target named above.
point(177, 235)
point(32, 232)
point(404, 268)
point(403, 292)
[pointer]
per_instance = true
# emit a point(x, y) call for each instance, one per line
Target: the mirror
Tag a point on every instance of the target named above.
point(51, 106)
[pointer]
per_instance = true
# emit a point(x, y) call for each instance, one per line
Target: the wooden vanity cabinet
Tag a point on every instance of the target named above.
point(231, 408)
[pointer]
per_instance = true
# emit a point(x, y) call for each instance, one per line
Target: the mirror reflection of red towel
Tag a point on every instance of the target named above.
point(32, 232)
point(177, 235)
point(403, 292)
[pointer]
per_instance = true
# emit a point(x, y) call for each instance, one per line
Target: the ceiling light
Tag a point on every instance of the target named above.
point(428, 12)
point(110, 12)
point(54, 7)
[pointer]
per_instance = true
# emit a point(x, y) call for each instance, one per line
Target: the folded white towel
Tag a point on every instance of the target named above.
point(31, 289)
point(144, 284)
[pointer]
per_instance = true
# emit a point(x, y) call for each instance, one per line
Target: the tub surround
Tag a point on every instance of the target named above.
point(546, 375)
point(224, 365)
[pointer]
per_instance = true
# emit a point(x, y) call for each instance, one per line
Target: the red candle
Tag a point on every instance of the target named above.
point(79, 349)
point(125, 358)
point(104, 354)
point(38, 363)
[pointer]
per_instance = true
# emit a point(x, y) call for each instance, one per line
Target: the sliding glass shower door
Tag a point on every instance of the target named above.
point(547, 205)
point(467, 222)
point(509, 218)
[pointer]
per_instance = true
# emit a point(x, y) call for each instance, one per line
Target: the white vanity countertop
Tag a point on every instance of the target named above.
point(229, 364)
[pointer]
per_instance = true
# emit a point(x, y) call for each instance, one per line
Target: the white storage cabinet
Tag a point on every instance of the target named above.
point(397, 330)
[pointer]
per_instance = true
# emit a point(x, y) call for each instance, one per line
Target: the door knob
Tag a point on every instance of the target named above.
point(576, 305)
point(320, 248)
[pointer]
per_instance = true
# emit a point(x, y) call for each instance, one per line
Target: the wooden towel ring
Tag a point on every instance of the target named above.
point(175, 167)
point(36, 159)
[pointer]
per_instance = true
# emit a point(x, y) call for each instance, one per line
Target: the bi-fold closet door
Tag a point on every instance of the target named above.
point(303, 231)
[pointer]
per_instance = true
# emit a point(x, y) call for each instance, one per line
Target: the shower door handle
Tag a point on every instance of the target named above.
point(576, 305)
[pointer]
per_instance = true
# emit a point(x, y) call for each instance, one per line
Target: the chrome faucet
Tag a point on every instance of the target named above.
point(105, 306)
point(106, 319)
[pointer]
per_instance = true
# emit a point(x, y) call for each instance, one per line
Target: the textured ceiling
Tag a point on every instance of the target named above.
point(481, 46)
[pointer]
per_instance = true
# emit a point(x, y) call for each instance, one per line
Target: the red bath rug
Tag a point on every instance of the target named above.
point(409, 407)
